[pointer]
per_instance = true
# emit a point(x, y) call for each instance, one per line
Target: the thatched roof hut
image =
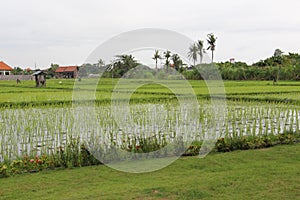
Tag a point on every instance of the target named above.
point(40, 78)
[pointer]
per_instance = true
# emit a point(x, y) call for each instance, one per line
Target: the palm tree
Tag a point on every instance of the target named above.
point(201, 50)
point(122, 64)
point(176, 61)
point(278, 59)
point(156, 56)
point(167, 55)
point(192, 54)
point(127, 61)
point(211, 40)
point(100, 63)
point(278, 53)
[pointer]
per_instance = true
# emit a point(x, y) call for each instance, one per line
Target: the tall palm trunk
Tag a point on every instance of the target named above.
point(211, 40)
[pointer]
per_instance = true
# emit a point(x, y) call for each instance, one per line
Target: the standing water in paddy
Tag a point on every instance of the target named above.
point(39, 131)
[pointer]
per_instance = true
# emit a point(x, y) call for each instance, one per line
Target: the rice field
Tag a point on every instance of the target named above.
point(37, 131)
point(40, 121)
point(26, 92)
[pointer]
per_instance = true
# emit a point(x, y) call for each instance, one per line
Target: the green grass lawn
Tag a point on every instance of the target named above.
point(257, 174)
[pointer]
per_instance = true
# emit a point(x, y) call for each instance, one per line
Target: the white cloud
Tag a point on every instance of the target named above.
point(65, 32)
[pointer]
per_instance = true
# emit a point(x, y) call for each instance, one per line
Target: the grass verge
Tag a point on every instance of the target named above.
point(255, 174)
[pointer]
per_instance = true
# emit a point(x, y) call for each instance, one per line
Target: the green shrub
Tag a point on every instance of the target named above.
point(3, 171)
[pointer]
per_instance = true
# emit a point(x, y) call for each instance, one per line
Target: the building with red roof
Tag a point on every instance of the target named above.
point(5, 69)
point(67, 72)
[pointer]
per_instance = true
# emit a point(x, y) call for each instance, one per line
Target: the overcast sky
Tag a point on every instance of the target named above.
point(67, 31)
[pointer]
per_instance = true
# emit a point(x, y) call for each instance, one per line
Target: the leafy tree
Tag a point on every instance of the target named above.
point(201, 50)
point(156, 57)
point(260, 63)
point(83, 71)
point(123, 64)
point(294, 59)
point(88, 68)
point(127, 61)
point(52, 69)
point(193, 53)
point(211, 40)
point(17, 71)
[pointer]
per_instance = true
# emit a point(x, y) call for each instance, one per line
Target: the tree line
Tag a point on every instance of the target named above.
point(276, 67)
point(280, 66)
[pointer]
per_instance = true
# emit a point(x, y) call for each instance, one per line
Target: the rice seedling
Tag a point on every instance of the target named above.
point(38, 131)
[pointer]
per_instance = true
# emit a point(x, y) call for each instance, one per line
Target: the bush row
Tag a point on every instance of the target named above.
point(232, 72)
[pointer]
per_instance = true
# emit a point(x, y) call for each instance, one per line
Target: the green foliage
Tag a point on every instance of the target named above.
point(88, 68)
point(192, 74)
point(122, 65)
point(25, 164)
point(255, 142)
point(17, 71)
point(51, 70)
point(3, 171)
point(193, 149)
point(281, 67)
point(73, 155)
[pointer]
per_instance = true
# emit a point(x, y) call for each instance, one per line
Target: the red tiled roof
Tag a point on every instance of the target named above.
point(5, 67)
point(66, 69)
point(60, 69)
point(71, 69)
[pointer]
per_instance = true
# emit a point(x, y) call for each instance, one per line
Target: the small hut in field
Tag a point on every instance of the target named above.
point(67, 72)
point(40, 78)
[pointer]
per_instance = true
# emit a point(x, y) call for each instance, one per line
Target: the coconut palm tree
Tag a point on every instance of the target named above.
point(277, 60)
point(278, 53)
point(167, 56)
point(201, 50)
point(193, 53)
point(100, 63)
point(127, 61)
point(211, 40)
point(122, 64)
point(156, 57)
point(176, 61)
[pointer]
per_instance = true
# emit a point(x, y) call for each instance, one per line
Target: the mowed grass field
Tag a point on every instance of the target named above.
point(255, 174)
